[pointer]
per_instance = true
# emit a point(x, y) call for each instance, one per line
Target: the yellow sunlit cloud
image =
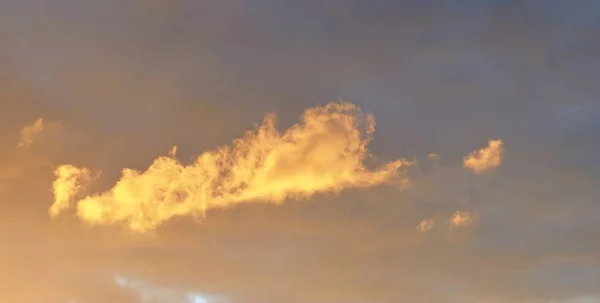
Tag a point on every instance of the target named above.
point(29, 132)
point(323, 153)
point(486, 158)
point(66, 186)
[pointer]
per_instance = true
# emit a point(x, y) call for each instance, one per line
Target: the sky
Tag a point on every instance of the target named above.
point(335, 151)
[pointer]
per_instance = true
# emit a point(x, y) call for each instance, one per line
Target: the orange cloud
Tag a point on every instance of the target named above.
point(426, 225)
point(29, 132)
point(462, 218)
point(486, 158)
point(323, 153)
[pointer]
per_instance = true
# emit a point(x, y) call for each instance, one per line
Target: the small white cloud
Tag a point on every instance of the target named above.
point(151, 293)
point(193, 298)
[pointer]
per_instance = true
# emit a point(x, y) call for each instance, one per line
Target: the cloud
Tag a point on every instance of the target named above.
point(462, 218)
point(434, 158)
point(486, 158)
point(324, 153)
point(66, 186)
point(30, 132)
point(131, 82)
point(426, 225)
point(149, 293)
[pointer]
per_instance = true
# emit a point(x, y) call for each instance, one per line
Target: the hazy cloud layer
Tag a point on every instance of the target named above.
point(125, 81)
